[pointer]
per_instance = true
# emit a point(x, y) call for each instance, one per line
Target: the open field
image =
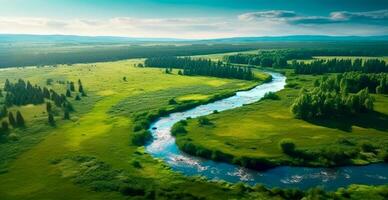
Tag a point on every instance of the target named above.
point(49, 162)
point(255, 131)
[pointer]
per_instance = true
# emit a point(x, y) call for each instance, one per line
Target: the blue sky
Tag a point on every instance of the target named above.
point(195, 18)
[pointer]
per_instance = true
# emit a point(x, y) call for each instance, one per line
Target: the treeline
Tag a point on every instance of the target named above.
point(263, 58)
point(71, 54)
point(331, 97)
point(342, 152)
point(274, 58)
point(279, 58)
point(340, 66)
point(204, 67)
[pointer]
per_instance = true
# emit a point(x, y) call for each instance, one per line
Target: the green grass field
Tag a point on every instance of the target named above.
point(255, 130)
point(92, 157)
point(45, 162)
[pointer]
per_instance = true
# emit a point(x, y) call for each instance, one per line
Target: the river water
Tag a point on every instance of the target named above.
point(164, 147)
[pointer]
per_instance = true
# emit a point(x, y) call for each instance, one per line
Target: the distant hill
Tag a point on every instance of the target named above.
point(300, 38)
point(11, 38)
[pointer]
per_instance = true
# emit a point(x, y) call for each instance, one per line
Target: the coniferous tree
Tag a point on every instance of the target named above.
point(51, 119)
point(80, 89)
point(68, 93)
point(19, 119)
point(66, 114)
point(11, 119)
point(1, 93)
point(68, 106)
point(72, 87)
point(3, 112)
point(77, 97)
point(4, 127)
point(49, 107)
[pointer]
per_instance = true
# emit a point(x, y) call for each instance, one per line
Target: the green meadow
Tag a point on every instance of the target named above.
point(91, 156)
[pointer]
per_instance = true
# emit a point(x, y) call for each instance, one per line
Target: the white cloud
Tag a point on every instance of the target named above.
point(264, 23)
point(371, 17)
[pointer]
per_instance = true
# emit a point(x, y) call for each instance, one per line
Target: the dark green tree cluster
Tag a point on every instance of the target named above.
point(18, 121)
point(340, 66)
point(203, 67)
point(330, 98)
point(3, 111)
point(274, 58)
point(4, 129)
point(22, 93)
point(355, 81)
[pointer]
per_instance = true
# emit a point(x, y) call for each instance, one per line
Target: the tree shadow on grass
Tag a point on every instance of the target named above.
point(372, 120)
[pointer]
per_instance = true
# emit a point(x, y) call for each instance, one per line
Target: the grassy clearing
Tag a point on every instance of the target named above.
point(261, 126)
point(39, 166)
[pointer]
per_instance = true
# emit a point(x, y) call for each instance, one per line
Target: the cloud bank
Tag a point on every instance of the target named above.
point(261, 23)
point(371, 17)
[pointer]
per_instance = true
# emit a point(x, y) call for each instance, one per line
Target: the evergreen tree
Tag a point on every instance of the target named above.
point(66, 114)
point(11, 119)
point(72, 87)
point(80, 89)
point(49, 107)
point(19, 119)
point(1, 93)
point(68, 93)
point(4, 126)
point(77, 97)
point(3, 112)
point(51, 119)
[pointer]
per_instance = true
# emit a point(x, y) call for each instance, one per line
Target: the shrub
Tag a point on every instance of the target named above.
point(136, 164)
point(172, 102)
point(179, 128)
point(287, 146)
point(367, 147)
point(204, 121)
point(140, 138)
point(271, 96)
point(129, 190)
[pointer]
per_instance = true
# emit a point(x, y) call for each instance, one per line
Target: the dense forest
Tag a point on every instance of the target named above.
point(203, 67)
point(339, 66)
point(14, 55)
point(331, 96)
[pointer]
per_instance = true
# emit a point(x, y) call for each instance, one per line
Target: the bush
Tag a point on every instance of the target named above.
point(204, 121)
point(271, 96)
point(129, 190)
point(367, 147)
point(140, 138)
point(179, 128)
point(287, 146)
point(136, 164)
point(172, 102)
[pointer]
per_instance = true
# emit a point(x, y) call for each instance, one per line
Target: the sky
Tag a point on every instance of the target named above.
point(194, 19)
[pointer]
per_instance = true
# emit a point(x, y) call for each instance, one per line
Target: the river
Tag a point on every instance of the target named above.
point(163, 146)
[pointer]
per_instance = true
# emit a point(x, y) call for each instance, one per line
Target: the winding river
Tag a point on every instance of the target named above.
point(164, 147)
